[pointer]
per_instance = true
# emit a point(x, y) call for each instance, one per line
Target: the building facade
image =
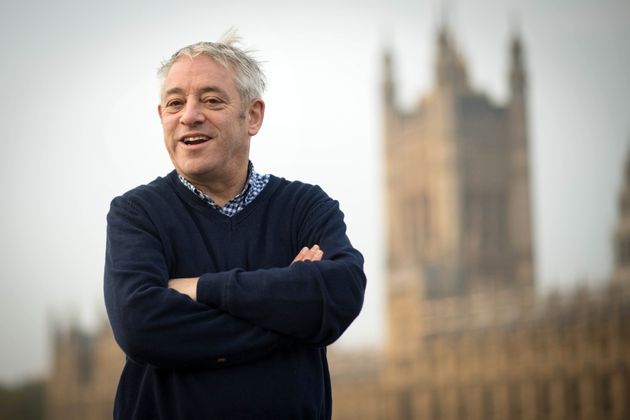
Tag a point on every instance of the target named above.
point(468, 337)
point(457, 182)
point(85, 369)
point(621, 275)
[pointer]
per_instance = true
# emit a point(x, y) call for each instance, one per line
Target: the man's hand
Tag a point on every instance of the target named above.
point(186, 286)
point(313, 253)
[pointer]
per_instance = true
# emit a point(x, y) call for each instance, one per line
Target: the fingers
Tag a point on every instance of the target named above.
point(300, 256)
point(314, 253)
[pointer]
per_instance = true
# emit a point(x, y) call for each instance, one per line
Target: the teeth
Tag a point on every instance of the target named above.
point(196, 139)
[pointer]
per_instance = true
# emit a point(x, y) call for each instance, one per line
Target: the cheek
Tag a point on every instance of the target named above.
point(168, 130)
point(169, 124)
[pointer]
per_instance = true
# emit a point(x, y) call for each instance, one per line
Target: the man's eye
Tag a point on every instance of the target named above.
point(213, 101)
point(174, 104)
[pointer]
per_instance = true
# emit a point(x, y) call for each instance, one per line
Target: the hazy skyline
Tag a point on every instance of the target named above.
point(81, 127)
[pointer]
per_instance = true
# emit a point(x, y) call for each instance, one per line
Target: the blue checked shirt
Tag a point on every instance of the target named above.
point(254, 185)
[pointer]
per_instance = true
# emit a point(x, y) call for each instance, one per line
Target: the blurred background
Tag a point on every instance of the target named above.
point(477, 149)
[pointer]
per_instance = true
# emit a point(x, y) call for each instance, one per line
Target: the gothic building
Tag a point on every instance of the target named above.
point(621, 276)
point(468, 337)
point(458, 183)
point(84, 375)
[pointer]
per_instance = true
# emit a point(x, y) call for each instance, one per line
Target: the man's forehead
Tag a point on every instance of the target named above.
point(201, 72)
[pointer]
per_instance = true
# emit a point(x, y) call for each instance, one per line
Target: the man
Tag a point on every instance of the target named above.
point(224, 286)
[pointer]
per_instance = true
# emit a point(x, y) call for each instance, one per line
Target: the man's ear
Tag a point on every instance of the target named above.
point(159, 110)
point(255, 116)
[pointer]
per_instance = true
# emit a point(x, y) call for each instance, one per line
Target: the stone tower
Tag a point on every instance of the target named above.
point(84, 374)
point(621, 238)
point(458, 183)
point(466, 337)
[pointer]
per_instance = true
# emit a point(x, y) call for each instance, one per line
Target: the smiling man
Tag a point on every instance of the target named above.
point(224, 286)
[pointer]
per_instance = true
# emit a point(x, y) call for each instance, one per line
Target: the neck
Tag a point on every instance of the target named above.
point(222, 190)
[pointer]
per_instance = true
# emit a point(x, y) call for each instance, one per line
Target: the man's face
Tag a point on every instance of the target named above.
point(207, 128)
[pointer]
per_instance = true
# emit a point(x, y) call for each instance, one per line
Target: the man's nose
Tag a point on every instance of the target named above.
point(191, 114)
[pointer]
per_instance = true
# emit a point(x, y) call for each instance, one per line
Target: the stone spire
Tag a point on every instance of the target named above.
point(517, 70)
point(450, 69)
point(519, 192)
point(389, 93)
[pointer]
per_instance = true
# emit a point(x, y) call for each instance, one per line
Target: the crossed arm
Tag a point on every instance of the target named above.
point(188, 285)
point(234, 316)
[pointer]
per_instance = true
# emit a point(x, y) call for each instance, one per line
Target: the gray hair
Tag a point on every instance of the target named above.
point(248, 75)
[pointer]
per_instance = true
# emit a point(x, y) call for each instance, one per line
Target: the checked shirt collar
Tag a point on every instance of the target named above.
point(254, 185)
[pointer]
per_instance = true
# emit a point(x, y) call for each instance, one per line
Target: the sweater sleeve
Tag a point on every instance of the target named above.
point(311, 301)
point(159, 326)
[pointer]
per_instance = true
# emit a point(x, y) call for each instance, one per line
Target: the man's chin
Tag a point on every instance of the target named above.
point(195, 173)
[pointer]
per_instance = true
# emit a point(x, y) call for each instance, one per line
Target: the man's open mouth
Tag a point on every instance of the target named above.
point(195, 140)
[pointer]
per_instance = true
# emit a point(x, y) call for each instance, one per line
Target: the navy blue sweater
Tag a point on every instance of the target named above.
point(253, 345)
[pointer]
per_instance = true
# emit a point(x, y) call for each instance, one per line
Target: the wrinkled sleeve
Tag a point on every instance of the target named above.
point(159, 326)
point(313, 302)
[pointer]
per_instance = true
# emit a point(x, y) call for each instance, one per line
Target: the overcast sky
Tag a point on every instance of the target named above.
point(80, 126)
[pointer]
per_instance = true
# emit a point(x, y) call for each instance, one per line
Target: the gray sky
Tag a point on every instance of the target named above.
point(80, 126)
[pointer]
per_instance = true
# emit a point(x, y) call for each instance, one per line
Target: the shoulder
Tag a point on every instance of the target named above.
point(156, 193)
point(300, 197)
point(297, 189)
point(310, 213)
point(157, 187)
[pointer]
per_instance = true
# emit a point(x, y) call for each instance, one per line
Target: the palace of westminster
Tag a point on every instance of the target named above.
point(468, 335)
